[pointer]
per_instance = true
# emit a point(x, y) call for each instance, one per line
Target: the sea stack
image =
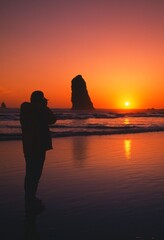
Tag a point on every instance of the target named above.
point(80, 97)
point(3, 105)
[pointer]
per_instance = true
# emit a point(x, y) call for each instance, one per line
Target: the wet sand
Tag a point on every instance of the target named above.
point(97, 187)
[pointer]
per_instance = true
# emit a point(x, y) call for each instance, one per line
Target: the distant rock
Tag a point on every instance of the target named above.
point(80, 97)
point(3, 105)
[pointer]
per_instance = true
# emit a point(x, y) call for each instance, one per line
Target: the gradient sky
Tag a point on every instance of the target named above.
point(117, 46)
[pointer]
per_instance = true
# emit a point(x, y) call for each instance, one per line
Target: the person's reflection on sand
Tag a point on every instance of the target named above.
point(30, 226)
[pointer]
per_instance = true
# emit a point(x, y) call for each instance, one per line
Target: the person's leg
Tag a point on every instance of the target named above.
point(34, 167)
point(38, 171)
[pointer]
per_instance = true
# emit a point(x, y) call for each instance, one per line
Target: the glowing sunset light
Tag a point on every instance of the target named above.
point(117, 46)
point(127, 104)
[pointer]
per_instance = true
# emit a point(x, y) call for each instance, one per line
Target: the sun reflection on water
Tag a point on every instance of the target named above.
point(126, 121)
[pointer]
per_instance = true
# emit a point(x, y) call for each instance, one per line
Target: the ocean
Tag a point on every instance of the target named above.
point(85, 123)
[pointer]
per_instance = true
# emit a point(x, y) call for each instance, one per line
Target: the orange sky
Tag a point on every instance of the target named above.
point(117, 46)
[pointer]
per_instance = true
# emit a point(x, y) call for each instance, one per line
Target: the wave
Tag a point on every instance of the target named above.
point(106, 115)
point(83, 132)
point(63, 114)
point(88, 127)
point(86, 123)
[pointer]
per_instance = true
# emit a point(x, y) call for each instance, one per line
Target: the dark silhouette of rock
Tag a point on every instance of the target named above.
point(3, 105)
point(80, 97)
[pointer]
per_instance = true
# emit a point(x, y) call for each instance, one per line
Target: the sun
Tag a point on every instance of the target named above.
point(127, 104)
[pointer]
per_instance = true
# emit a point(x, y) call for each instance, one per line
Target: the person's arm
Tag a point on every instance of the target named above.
point(43, 112)
point(51, 118)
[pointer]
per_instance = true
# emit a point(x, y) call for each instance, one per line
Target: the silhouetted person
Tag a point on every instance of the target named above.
point(35, 117)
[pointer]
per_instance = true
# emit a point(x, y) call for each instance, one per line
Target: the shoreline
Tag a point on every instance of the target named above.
point(12, 137)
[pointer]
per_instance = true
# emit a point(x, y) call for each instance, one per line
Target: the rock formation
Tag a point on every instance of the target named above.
point(3, 105)
point(80, 97)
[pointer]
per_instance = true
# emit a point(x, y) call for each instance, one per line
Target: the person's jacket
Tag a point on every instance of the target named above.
point(34, 119)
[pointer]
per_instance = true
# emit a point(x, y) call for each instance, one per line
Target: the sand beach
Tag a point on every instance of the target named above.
point(95, 187)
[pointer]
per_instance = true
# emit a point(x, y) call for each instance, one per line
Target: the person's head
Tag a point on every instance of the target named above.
point(37, 97)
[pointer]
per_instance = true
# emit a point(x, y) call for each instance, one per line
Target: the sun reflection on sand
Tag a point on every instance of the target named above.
point(127, 146)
